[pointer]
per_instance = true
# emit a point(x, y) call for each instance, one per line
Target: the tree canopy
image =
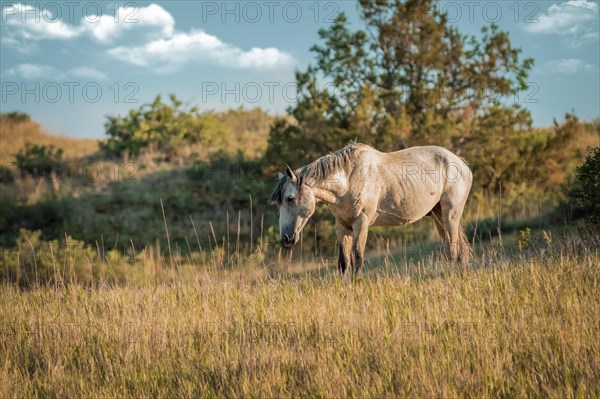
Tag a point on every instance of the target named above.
point(407, 78)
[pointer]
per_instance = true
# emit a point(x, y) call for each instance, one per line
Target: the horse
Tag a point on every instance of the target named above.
point(365, 187)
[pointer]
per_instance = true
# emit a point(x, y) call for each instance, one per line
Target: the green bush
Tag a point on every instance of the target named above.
point(39, 161)
point(49, 214)
point(164, 126)
point(6, 175)
point(586, 187)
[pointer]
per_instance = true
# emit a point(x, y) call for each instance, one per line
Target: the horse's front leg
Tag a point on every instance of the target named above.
point(344, 245)
point(360, 230)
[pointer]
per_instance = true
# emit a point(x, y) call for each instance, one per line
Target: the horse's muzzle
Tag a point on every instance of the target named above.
point(288, 241)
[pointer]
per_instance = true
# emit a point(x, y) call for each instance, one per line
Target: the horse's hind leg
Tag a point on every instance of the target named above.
point(360, 230)
point(452, 210)
point(438, 222)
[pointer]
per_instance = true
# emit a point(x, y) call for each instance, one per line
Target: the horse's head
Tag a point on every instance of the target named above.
point(296, 203)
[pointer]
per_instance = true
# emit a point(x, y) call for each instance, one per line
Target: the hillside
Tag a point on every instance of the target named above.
point(17, 129)
point(215, 181)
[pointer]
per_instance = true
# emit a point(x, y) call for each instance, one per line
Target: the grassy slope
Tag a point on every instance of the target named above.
point(525, 326)
point(14, 135)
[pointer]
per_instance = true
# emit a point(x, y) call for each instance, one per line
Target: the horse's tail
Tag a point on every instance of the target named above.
point(465, 253)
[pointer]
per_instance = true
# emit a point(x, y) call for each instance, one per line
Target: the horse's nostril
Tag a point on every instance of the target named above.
point(286, 238)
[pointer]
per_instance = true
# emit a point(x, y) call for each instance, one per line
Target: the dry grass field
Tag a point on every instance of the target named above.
point(82, 318)
point(515, 323)
point(14, 135)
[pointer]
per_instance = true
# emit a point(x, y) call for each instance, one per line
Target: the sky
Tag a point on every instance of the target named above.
point(70, 64)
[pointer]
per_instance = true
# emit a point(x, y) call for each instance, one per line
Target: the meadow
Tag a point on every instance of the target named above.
point(520, 321)
point(147, 263)
point(173, 285)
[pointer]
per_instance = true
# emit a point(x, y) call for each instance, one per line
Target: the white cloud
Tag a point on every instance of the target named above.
point(567, 66)
point(575, 19)
point(268, 58)
point(31, 23)
point(27, 22)
point(170, 54)
point(87, 73)
point(36, 71)
point(163, 48)
point(153, 17)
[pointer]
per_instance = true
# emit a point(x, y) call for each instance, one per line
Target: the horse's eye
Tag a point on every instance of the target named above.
point(290, 199)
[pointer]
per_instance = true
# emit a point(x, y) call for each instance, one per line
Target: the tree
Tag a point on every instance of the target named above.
point(408, 78)
point(505, 151)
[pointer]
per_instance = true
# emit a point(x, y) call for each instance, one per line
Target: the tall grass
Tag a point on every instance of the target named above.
point(520, 321)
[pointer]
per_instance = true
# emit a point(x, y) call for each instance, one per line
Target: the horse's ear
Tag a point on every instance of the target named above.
point(279, 175)
point(289, 172)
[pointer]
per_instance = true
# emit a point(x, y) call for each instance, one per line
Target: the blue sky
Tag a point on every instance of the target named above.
point(71, 64)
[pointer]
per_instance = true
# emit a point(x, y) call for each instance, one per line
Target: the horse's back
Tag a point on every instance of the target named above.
point(426, 153)
point(431, 169)
point(423, 159)
point(439, 166)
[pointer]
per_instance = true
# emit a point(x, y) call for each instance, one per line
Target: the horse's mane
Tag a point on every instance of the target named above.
point(330, 163)
point(321, 168)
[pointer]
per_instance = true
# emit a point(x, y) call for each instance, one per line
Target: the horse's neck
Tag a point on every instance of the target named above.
point(330, 189)
point(324, 195)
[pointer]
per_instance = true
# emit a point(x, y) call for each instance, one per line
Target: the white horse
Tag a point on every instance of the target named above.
point(365, 187)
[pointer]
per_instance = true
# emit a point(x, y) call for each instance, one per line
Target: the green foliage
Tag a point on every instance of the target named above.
point(228, 181)
point(298, 145)
point(6, 175)
point(165, 126)
point(170, 129)
point(39, 161)
point(409, 78)
point(49, 215)
point(506, 129)
point(586, 187)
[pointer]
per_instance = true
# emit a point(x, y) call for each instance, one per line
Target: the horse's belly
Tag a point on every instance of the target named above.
point(390, 220)
point(405, 212)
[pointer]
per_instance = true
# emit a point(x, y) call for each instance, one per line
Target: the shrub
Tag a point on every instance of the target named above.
point(16, 117)
point(39, 161)
point(586, 187)
point(162, 126)
point(6, 175)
